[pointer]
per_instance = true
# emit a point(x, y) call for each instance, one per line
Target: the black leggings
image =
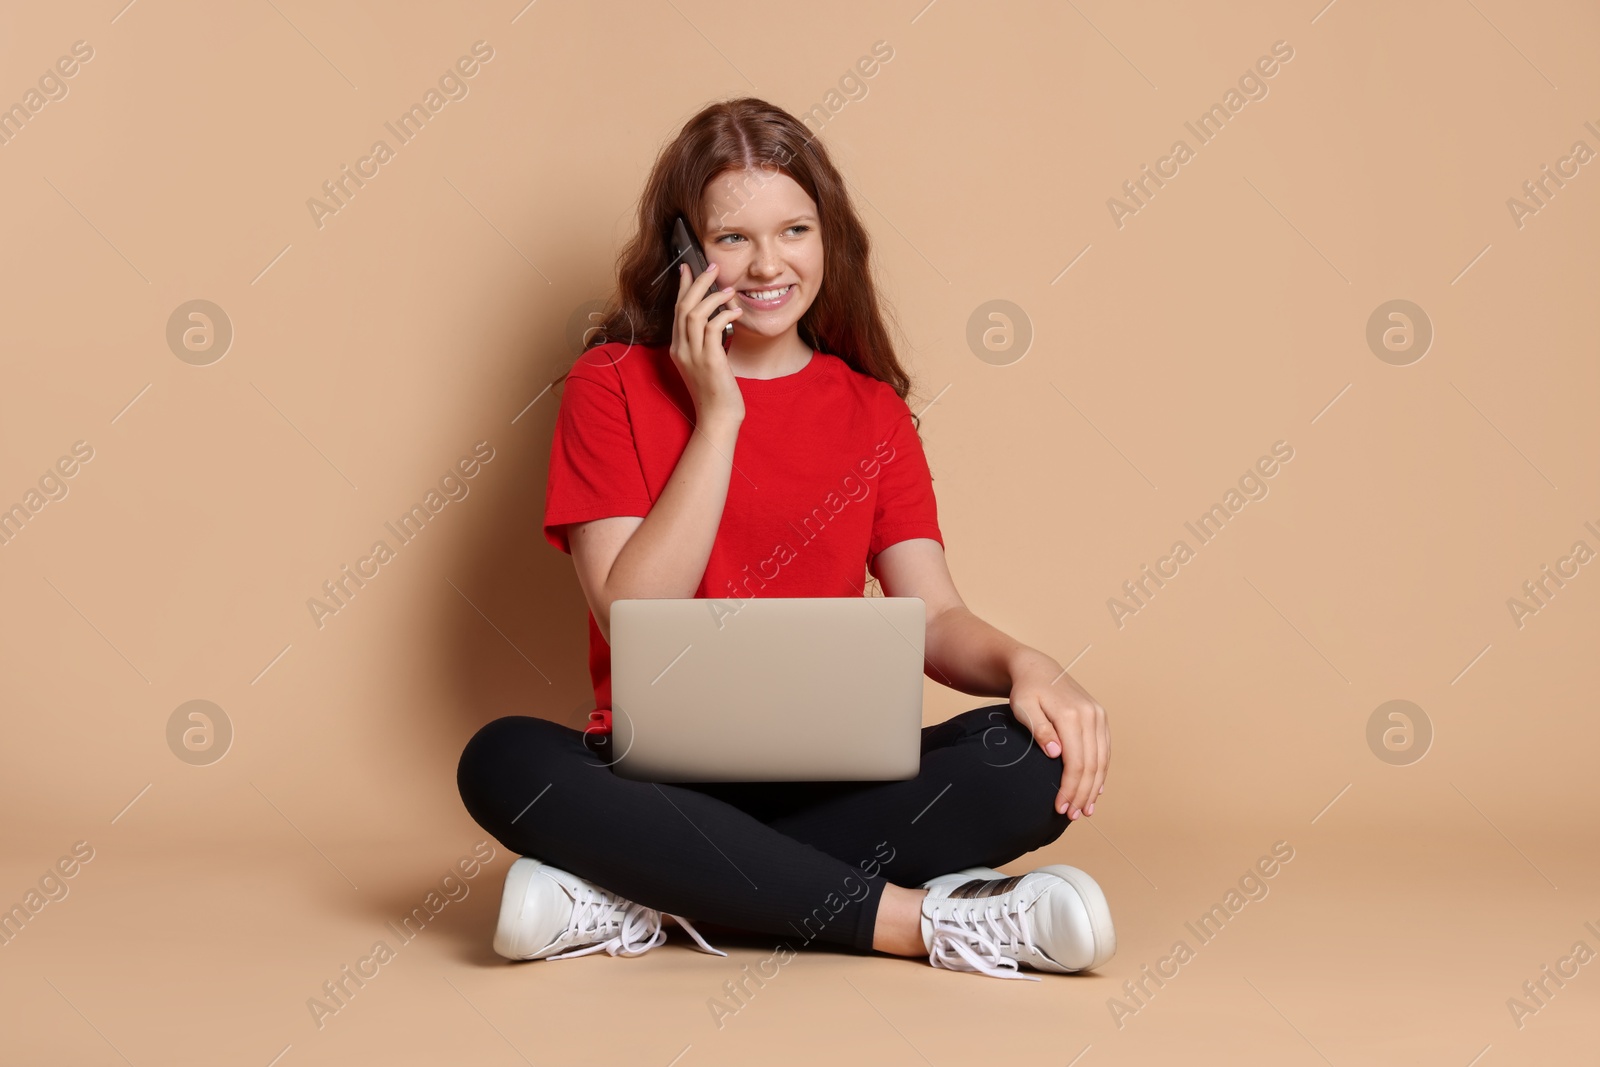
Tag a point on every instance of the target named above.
point(808, 859)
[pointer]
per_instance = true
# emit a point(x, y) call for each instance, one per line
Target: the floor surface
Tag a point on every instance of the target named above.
point(1361, 949)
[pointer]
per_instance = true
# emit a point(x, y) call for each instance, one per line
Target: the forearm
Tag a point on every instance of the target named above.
point(666, 556)
point(967, 654)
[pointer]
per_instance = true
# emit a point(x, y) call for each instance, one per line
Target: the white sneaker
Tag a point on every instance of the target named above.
point(1054, 919)
point(546, 913)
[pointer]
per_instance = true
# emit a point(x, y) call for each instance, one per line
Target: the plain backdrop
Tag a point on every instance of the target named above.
point(1142, 359)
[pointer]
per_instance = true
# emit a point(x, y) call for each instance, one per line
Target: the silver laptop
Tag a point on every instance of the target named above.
point(775, 689)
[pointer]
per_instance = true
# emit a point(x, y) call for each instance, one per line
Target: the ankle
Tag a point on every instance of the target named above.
point(898, 929)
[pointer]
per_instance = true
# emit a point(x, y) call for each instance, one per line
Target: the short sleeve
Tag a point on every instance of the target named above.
point(905, 506)
point(594, 460)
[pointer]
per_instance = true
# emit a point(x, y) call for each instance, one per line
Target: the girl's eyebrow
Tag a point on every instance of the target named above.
point(783, 225)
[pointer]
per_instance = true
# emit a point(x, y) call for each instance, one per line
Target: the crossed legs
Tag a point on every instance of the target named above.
point(820, 860)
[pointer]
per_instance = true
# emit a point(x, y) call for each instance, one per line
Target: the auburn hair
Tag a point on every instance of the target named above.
point(748, 134)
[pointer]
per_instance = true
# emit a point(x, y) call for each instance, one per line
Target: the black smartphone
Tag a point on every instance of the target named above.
point(685, 246)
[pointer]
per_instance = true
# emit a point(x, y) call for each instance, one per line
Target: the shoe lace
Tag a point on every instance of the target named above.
point(970, 939)
point(603, 921)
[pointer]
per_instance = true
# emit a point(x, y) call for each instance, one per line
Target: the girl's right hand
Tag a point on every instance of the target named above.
point(697, 346)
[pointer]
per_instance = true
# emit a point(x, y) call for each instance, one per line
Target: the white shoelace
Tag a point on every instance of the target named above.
point(973, 939)
point(605, 922)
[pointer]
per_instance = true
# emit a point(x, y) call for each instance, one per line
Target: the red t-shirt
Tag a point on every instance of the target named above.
point(827, 473)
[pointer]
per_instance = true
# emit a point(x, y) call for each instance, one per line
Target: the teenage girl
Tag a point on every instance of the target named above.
point(788, 465)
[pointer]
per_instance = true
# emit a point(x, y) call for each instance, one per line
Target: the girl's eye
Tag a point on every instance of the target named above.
point(736, 236)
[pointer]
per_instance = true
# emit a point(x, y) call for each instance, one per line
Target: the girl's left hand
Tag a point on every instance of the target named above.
point(1066, 722)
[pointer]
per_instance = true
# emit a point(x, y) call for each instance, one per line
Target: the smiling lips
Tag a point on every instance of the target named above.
point(766, 299)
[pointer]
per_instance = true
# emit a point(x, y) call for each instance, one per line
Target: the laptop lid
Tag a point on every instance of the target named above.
point(767, 689)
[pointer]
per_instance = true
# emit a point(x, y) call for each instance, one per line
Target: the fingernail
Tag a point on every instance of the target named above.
point(1090, 809)
point(1102, 790)
point(1052, 750)
point(1076, 813)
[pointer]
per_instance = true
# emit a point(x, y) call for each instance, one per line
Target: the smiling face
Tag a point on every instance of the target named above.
point(763, 232)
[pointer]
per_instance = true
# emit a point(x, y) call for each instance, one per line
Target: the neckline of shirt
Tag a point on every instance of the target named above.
point(785, 382)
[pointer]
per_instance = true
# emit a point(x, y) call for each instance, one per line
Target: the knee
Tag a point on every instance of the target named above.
point(1027, 780)
point(1002, 745)
point(520, 739)
point(1004, 741)
point(510, 752)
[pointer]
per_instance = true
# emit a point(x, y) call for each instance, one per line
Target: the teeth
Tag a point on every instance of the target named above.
point(767, 294)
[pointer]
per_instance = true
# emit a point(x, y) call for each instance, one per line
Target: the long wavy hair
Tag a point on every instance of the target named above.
point(844, 318)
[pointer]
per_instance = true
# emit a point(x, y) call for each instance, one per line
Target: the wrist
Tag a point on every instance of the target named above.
point(1024, 659)
point(720, 420)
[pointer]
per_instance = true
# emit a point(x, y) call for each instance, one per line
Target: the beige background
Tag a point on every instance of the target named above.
point(369, 354)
